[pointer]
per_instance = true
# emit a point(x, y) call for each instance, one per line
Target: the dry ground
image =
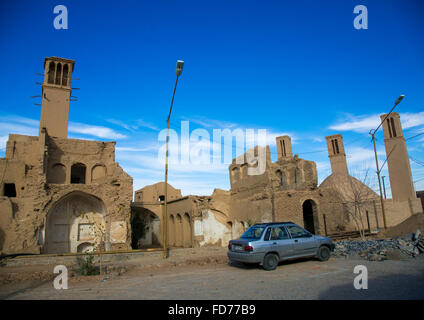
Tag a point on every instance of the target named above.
point(410, 225)
point(208, 275)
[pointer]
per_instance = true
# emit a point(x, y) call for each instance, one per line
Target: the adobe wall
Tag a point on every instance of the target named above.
point(29, 160)
point(398, 211)
point(193, 221)
point(420, 195)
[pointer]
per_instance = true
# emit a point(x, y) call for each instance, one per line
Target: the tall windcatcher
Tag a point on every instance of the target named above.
point(337, 154)
point(284, 147)
point(56, 93)
point(398, 164)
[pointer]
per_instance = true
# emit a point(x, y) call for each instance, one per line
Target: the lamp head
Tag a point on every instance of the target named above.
point(179, 68)
point(399, 99)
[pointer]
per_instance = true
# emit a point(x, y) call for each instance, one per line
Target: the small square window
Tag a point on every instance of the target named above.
point(9, 190)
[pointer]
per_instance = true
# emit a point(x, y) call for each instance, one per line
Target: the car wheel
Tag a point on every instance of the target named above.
point(323, 253)
point(270, 262)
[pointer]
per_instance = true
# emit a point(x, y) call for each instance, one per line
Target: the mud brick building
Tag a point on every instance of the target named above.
point(62, 195)
point(57, 194)
point(287, 191)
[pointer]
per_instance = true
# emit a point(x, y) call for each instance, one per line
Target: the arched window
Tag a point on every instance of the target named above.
point(335, 145)
point(78, 173)
point(58, 73)
point(98, 173)
point(279, 174)
point(50, 78)
point(243, 170)
point(235, 173)
point(65, 75)
point(393, 127)
point(283, 148)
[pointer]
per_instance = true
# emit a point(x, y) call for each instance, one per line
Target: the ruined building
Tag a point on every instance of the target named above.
point(67, 195)
point(57, 194)
point(287, 191)
point(361, 206)
point(193, 221)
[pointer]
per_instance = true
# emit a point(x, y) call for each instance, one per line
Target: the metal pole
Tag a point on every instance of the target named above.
point(325, 225)
point(165, 213)
point(68, 225)
point(376, 214)
point(384, 187)
point(368, 221)
point(379, 181)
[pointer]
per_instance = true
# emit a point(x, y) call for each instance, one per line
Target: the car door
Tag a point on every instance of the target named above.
point(304, 242)
point(281, 241)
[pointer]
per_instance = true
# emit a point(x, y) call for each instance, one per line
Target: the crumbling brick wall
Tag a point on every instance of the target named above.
point(28, 164)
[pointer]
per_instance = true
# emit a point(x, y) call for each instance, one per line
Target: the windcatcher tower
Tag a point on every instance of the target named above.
point(397, 159)
point(56, 92)
point(337, 154)
point(284, 147)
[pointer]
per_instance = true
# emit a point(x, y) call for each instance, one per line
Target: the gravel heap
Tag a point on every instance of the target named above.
point(407, 246)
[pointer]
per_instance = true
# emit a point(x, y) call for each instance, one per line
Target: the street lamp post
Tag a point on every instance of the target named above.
point(178, 71)
point(384, 187)
point(372, 133)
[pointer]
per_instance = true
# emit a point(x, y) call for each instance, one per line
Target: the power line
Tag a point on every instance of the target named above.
point(419, 180)
point(417, 161)
point(414, 136)
point(273, 152)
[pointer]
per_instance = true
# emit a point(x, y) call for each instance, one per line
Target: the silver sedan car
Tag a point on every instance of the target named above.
point(270, 243)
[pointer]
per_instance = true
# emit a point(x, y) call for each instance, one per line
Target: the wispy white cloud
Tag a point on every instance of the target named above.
point(357, 123)
point(133, 125)
point(3, 141)
point(96, 131)
point(131, 149)
point(358, 155)
point(16, 128)
point(142, 123)
point(28, 126)
point(410, 120)
point(19, 119)
point(212, 123)
point(120, 123)
point(364, 123)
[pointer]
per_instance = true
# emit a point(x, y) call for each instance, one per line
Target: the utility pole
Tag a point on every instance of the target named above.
point(379, 180)
point(178, 71)
point(384, 187)
point(372, 133)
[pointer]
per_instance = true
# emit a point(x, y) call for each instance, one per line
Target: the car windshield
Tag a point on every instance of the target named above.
point(253, 233)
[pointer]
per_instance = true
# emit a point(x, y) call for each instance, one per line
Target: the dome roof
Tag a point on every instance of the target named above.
point(349, 187)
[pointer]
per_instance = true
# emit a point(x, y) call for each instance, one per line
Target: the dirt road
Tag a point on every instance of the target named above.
point(305, 279)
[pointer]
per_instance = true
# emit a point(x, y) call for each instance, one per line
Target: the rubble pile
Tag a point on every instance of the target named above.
point(406, 246)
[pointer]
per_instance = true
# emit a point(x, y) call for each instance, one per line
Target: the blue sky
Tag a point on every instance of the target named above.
point(291, 67)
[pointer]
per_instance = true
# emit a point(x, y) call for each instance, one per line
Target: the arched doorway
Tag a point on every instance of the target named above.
point(179, 231)
point(186, 231)
point(146, 228)
point(310, 221)
point(75, 219)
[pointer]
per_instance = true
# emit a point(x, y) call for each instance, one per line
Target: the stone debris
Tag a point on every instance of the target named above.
point(407, 246)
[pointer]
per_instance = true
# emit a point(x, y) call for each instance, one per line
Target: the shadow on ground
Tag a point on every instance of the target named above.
point(249, 266)
point(396, 286)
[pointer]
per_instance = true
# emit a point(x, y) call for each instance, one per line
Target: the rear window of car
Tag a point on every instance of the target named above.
point(253, 233)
